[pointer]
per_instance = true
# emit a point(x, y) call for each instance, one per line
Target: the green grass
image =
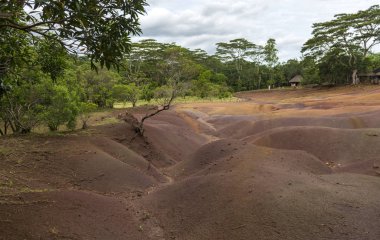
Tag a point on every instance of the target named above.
point(98, 118)
point(179, 100)
point(104, 116)
point(105, 121)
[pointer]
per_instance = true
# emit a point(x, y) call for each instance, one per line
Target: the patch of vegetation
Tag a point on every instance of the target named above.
point(106, 121)
point(179, 100)
point(47, 88)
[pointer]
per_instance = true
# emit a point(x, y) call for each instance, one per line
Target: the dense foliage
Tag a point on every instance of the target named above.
point(44, 82)
point(100, 29)
point(342, 46)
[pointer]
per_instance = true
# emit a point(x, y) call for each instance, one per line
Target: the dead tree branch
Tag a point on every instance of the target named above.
point(138, 125)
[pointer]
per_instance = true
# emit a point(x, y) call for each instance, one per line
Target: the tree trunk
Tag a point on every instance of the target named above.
point(13, 127)
point(53, 128)
point(137, 125)
point(239, 83)
point(260, 81)
point(84, 125)
point(355, 79)
point(26, 130)
point(5, 127)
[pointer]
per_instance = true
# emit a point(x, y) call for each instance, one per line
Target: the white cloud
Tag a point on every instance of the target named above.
point(201, 24)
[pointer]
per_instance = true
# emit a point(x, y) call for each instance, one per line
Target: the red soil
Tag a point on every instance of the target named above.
point(300, 164)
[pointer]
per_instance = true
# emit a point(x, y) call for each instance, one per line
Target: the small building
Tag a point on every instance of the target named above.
point(373, 77)
point(296, 81)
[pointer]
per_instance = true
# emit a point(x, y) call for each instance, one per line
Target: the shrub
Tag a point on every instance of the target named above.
point(60, 109)
point(126, 93)
point(22, 107)
point(147, 92)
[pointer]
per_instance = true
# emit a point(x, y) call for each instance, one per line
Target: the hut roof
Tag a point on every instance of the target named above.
point(296, 79)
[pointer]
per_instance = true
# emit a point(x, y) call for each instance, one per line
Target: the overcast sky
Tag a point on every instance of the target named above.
point(202, 23)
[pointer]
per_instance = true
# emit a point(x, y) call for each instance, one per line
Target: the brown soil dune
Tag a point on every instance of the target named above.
point(337, 148)
point(289, 164)
point(268, 194)
point(67, 215)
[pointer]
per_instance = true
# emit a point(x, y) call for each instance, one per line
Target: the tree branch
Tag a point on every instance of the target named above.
point(164, 108)
point(28, 27)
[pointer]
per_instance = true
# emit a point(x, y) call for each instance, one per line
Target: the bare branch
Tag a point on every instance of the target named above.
point(164, 108)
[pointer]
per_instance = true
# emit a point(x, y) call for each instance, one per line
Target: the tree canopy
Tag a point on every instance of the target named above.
point(99, 29)
point(49, 50)
point(348, 38)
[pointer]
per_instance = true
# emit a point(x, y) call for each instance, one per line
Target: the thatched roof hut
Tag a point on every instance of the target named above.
point(296, 81)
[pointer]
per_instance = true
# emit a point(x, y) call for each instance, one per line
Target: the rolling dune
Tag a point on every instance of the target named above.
point(301, 164)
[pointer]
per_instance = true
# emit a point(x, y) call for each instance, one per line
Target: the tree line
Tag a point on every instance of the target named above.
point(43, 45)
point(342, 47)
point(60, 61)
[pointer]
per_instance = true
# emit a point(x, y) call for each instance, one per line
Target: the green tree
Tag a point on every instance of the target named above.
point(270, 56)
point(202, 88)
point(177, 66)
point(22, 108)
point(257, 57)
point(270, 53)
point(348, 37)
point(236, 51)
point(61, 108)
point(52, 58)
point(15, 52)
point(97, 86)
point(372, 62)
point(25, 97)
point(310, 71)
point(145, 61)
point(126, 93)
point(100, 29)
point(147, 91)
point(219, 78)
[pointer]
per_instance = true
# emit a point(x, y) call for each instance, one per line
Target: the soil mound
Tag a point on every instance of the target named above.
point(353, 150)
point(269, 194)
point(67, 215)
point(122, 153)
point(283, 165)
point(241, 129)
point(173, 136)
point(206, 156)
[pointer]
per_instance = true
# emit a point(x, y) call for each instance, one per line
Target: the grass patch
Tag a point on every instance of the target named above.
point(106, 116)
point(99, 118)
point(102, 117)
point(4, 150)
point(105, 121)
point(178, 100)
point(29, 190)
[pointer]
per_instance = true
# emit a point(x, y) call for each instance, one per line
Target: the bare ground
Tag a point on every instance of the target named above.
point(290, 164)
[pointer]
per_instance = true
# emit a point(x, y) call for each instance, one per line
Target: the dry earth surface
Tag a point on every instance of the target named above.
point(289, 164)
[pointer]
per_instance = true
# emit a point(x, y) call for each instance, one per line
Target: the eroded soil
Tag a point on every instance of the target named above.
point(290, 164)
